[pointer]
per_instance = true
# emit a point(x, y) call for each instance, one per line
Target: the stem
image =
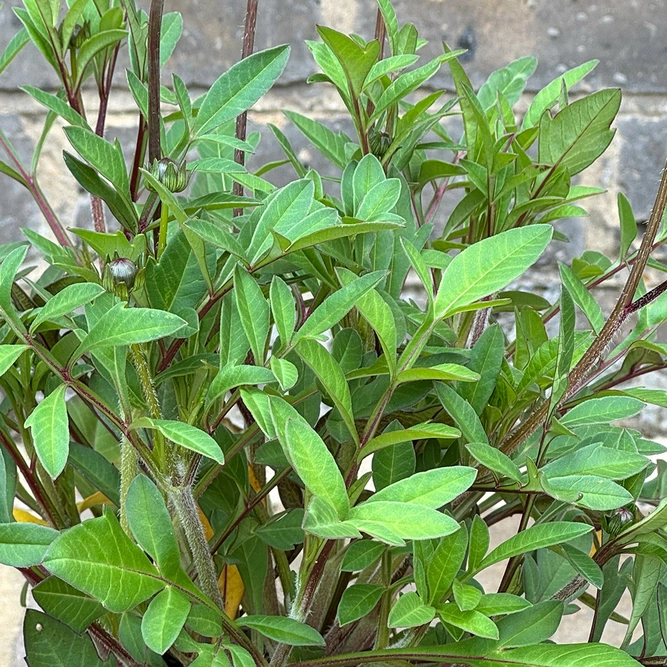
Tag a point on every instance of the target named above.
point(164, 223)
point(154, 34)
point(188, 515)
point(242, 120)
point(129, 469)
point(139, 151)
point(579, 373)
point(53, 222)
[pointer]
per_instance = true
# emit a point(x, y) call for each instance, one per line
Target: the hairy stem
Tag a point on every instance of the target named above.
point(154, 34)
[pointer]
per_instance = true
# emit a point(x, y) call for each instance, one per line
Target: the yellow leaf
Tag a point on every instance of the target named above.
point(597, 541)
point(232, 588)
point(26, 517)
point(253, 480)
point(208, 530)
point(97, 498)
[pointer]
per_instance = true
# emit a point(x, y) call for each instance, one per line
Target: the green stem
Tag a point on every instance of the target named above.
point(164, 223)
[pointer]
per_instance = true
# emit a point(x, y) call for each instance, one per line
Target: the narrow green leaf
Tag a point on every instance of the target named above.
point(531, 626)
point(282, 307)
point(410, 612)
point(284, 630)
point(337, 305)
point(358, 601)
point(601, 411)
point(232, 376)
point(441, 372)
point(50, 431)
point(185, 435)
point(489, 266)
point(240, 87)
point(431, 488)
point(628, 224)
point(254, 311)
point(99, 559)
point(462, 413)
point(466, 597)
point(151, 525)
point(583, 298)
point(66, 301)
point(164, 619)
point(8, 355)
point(419, 432)
point(285, 372)
point(125, 326)
point(444, 564)
point(470, 621)
point(57, 105)
point(495, 460)
point(332, 146)
point(24, 544)
point(535, 537)
point(362, 554)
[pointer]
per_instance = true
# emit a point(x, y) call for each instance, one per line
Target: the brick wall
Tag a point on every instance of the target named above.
point(627, 36)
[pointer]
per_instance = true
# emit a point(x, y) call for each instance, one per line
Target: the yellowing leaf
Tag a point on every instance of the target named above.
point(232, 588)
point(26, 517)
point(97, 498)
point(208, 529)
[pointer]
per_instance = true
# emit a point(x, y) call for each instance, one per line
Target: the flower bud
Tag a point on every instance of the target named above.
point(379, 143)
point(619, 519)
point(119, 275)
point(172, 175)
point(79, 35)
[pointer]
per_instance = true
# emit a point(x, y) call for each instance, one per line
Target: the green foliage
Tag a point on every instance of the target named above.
point(286, 459)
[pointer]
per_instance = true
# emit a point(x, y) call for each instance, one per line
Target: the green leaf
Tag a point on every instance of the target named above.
point(486, 359)
point(285, 211)
point(470, 621)
point(314, 463)
point(234, 345)
point(126, 326)
point(601, 411)
point(406, 521)
point(8, 271)
point(646, 576)
point(100, 154)
point(355, 60)
point(8, 355)
point(337, 305)
point(441, 372)
point(99, 559)
point(66, 301)
point(60, 600)
point(232, 376)
point(285, 372)
point(96, 469)
point(283, 531)
point(348, 229)
point(330, 374)
point(151, 525)
point(331, 145)
point(172, 28)
point(284, 630)
point(489, 266)
point(240, 87)
point(282, 307)
point(419, 432)
point(509, 81)
point(49, 643)
point(431, 488)
point(580, 132)
point(495, 460)
point(410, 612)
point(494, 604)
point(554, 655)
point(357, 601)
point(57, 105)
point(535, 537)
point(164, 619)
point(362, 554)
point(185, 435)
point(393, 464)
point(444, 564)
point(466, 597)
point(596, 493)
point(531, 626)
point(379, 201)
point(24, 544)
point(391, 24)
point(548, 96)
point(462, 413)
point(583, 298)
point(596, 459)
point(254, 311)
point(628, 224)
point(479, 543)
point(91, 47)
point(322, 520)
point(583, 564)
point(13, 48)
point(50, 431)
point(217, 236)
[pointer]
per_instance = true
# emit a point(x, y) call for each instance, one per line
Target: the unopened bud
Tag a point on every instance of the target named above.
point(618, 521)
point(79, 35)
point(119, 275)
point(172, 175)
point(379, 143)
